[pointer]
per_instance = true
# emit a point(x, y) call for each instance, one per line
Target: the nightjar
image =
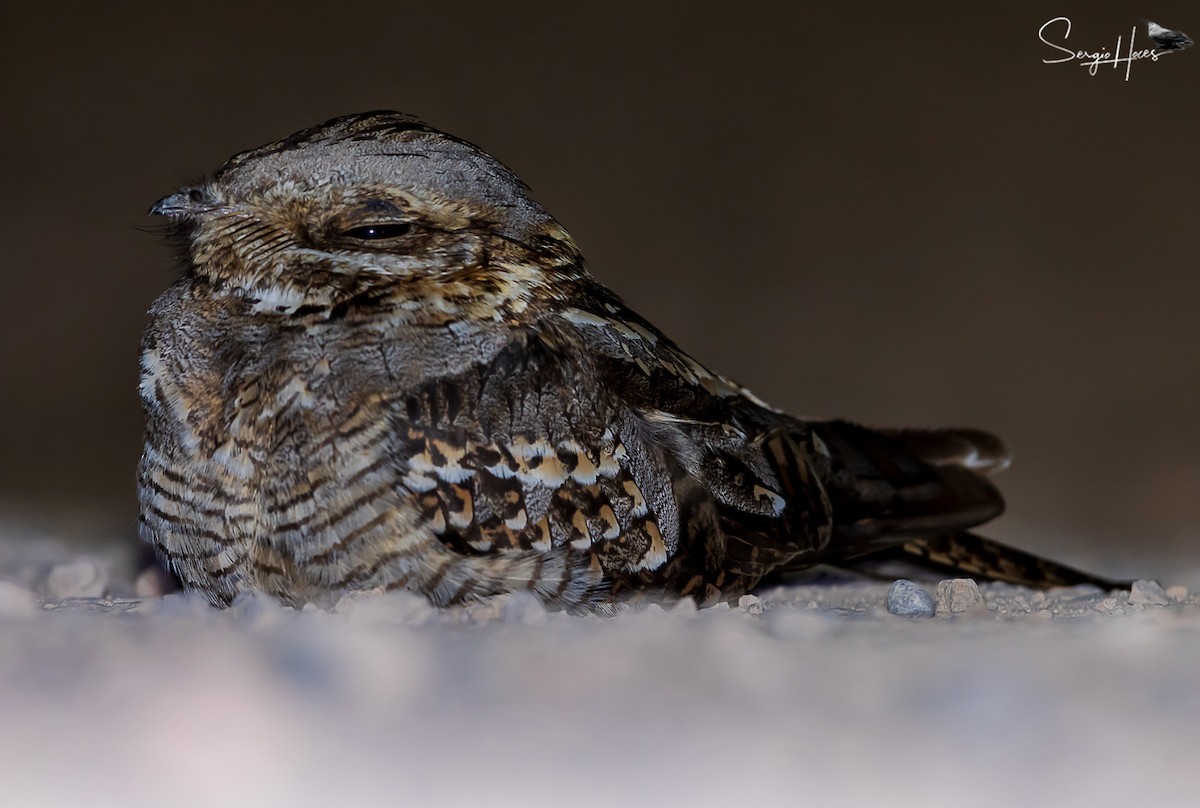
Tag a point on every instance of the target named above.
point(386, 366)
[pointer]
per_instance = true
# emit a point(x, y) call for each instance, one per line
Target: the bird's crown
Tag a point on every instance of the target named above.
point(363, 201)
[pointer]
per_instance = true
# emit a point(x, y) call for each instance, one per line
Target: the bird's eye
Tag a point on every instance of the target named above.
point(375, 232)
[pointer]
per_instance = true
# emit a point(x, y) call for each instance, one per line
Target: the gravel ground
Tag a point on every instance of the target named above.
point(804, 695)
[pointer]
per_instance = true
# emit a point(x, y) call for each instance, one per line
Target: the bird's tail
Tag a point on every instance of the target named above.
point(886, 485)
point(971, 555)
point(914, 494)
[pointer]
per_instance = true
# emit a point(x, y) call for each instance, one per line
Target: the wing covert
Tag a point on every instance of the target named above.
point(535, 456)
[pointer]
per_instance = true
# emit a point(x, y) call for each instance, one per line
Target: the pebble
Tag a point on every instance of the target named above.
point(523, 608)
point(257, 609)
point(907, 599)
point(16, 602)
point(77, 579)
point(686, 607)
point(1147, 593)
point(750, 604)
point(488, 610)
point(177, 604)
point(151, 583)
point(959, 595)
point(398, 607)
point(1177, 593)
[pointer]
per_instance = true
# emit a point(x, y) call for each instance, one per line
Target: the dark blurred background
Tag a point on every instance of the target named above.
point(895, 215)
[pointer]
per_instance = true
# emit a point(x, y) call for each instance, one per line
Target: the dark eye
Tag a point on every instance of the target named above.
point(374, 232)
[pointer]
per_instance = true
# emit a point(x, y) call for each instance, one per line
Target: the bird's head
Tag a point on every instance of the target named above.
point(377, 204)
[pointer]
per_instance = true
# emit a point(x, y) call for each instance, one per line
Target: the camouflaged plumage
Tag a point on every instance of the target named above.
point(386, 366)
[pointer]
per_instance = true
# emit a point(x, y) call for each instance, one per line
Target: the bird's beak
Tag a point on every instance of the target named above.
point(184, 203)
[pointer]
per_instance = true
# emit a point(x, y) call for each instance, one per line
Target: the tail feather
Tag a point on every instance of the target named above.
point(978, 557)
point(973, 449)
point(912, 495)
point(886, 485)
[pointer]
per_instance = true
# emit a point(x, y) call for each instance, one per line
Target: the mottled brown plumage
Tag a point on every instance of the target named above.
point(386, 366)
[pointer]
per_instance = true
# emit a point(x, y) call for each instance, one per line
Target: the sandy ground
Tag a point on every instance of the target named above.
point(812, 694)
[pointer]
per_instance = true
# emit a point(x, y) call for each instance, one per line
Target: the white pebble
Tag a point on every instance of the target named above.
point(750, 604)
point(77, 579)
point(523, 608)
point(1147, 593)
point(151, 583)
point(16, 602)
point(1177, 593)
point(907, 599)
point(177, 604)
point(488, 610)
point(686, 607)
point(958, 595)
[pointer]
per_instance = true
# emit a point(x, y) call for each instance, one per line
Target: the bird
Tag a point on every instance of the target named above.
point(1167, 39)
point(384, 366)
